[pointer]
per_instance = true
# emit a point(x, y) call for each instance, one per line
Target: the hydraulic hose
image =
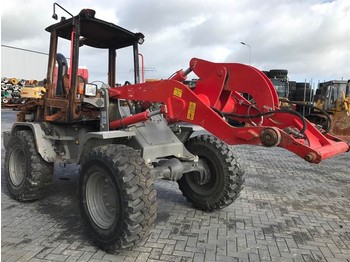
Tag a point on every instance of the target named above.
point(329, 119)
point(129, 102)
point(302, 131)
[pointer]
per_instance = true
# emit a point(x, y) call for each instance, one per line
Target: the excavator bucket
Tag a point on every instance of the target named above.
point(341, 125)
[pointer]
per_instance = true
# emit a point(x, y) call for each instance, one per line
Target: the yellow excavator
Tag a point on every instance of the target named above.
point(333, 97)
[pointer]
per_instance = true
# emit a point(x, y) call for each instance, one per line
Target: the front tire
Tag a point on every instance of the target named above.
point(27, 174)
point(224, 180)
point(116, 196)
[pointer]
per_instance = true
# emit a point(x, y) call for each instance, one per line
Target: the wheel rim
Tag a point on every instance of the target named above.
point(101, 200)
point(208, 187)
point(17, 167)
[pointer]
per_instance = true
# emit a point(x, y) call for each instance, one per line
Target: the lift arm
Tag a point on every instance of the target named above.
point(236, 92)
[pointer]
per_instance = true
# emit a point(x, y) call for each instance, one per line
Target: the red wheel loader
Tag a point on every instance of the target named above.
point(125, 137)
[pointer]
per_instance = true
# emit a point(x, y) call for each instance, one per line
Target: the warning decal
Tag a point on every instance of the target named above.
point(177, 92)
point(191, 111)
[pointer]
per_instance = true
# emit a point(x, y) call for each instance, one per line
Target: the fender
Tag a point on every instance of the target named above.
point(64, 143)
point(43, 144)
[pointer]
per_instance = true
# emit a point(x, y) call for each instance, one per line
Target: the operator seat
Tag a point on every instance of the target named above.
point(62, 70)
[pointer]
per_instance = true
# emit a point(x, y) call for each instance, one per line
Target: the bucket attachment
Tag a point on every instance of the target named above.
point(341, 125)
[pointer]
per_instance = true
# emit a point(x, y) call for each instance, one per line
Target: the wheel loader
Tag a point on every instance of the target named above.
point(124, 137)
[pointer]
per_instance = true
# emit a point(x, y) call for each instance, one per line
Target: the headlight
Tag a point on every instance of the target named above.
point(90, 89)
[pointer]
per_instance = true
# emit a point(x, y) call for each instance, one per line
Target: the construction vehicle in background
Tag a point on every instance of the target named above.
point(285, 89)
point(279, 79)
point(125, 137)
point(328, 107)
point(331, 108)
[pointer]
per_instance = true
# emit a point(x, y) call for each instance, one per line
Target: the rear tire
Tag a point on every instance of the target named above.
point(116, 196)
point(278, 73)
point(300, 95)
point(27, 174)
point(225, 180)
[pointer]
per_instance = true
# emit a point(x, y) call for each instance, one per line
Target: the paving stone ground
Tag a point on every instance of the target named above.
point(289, 210)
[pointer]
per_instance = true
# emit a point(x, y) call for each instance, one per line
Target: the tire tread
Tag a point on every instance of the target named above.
point(233, 172)
point(138, 186)
point(39, 174)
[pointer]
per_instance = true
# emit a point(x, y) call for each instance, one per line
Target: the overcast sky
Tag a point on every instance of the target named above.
point(310, 38)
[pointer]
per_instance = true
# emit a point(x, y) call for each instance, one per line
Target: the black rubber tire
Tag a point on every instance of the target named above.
point(302, 86)
point(319, 119)
point(27, 174)
point(123, 216)
point(226, 176)
point(299, 95)
point(278, 73)
point(291, 96)
point(267, 73)
point(292, 86)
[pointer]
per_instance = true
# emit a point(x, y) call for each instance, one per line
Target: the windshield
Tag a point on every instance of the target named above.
point(280, 86)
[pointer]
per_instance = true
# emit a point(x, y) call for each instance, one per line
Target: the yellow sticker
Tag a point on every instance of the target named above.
point(191, 110)
point(177, 92)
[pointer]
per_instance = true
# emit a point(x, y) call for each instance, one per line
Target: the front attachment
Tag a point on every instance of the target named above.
point(236, 103)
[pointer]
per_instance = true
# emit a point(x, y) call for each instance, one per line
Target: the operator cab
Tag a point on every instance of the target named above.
point(68, 95)
point(281, 86)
